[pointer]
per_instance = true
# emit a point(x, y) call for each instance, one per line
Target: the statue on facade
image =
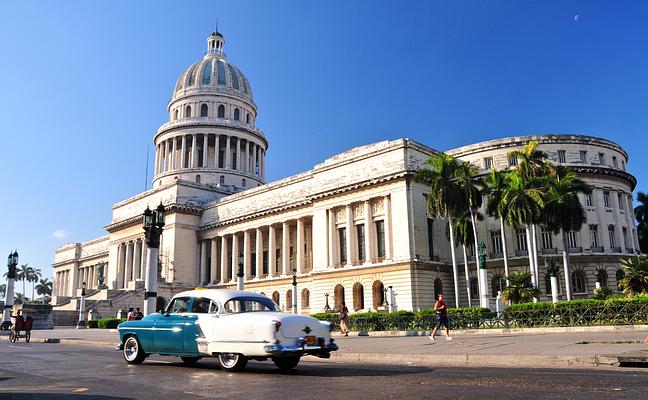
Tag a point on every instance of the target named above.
point(100, 274)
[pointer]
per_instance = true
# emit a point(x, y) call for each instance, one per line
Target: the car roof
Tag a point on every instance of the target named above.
point(221, 295)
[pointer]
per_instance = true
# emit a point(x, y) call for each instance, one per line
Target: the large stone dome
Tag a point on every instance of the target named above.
point(213, 75)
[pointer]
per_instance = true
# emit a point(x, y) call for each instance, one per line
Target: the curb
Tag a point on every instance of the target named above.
point(510, 331)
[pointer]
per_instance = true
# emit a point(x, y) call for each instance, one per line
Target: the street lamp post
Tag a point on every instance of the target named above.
point(552, 271)
point(294, 290)
point(12, 261)
point(82, 323)
point(327, 308)
point(483, 277)
point(153, 222)
point(240, 281)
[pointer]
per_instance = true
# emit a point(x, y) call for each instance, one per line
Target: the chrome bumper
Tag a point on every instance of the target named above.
point(320, 350)
point(119, 347)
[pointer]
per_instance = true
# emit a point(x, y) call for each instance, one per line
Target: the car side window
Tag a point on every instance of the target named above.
point(200, 305)
point(213, 307)
point(178, 305)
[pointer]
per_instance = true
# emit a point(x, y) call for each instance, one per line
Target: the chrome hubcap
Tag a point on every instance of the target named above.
point(130, 349)
point(229, 359)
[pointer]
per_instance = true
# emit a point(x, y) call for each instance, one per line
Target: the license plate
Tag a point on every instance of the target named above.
point(311, 340)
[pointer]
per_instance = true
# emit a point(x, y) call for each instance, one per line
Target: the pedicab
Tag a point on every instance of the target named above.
point(21, 325)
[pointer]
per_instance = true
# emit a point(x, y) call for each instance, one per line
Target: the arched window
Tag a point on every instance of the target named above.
point(275, 297)
point(338, 296)
point(358, 296)
point(243, 182)
point(619, 275)
point(602, 277)
point(197, 178)
point(498, 283)
point(221, 111)
point(237, 114)
point(221, 180)
point(207, 71)
point(548, 283)
point(438, 288)
point(247, 119)
point(474, 288)
point(578, 281)
point(235, 81)
point(175, 114)
point(203, 110)
point(305, 298)
point(377, 294)
point(188, 112)
point(289, 301)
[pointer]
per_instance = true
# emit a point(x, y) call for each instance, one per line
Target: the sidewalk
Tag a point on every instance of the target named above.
point(530, 348)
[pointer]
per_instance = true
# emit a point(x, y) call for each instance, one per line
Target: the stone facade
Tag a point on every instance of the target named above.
point(351, 227)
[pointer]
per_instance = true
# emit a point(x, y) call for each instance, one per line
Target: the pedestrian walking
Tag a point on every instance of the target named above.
point(344, 319)
point(131, 315)
point(441, 313)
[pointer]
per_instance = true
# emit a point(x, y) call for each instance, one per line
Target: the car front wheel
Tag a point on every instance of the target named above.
point(232, 361)
point(285, 363)
point(133, 351)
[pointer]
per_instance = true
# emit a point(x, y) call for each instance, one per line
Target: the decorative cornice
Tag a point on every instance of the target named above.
point(170, 209)
point(205, 122)
point(592, 170)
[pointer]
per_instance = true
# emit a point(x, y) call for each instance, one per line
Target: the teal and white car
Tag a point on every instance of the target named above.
point(233, 326)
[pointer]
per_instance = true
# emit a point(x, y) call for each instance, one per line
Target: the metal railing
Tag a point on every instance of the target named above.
point(597, 250)
point(520, 253)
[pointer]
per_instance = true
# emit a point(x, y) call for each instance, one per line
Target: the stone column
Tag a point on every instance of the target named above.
point(331, 237)
point(247, 255)
point(239, 153)
point(129, 264)
point(369, 232)
point(142, 262)
point(300, 246)
point(214, 260)
point(121, 264)
point(167, 145)
point(259, 253)
point(228, 154)
point(255, 157)
point(224, 251)
point(388, 228)
point(174, 155)
point(247, 156)
point(194, 151)
point(216, 150)
point(235, 253)
point(137, 260)
point(157, 159)
point(349, 234)
point(205, 149)
point(285, 249)
point(203, 263)
point(183, 155)
point(272, 252)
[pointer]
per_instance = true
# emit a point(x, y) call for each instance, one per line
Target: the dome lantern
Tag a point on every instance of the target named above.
point(215, 43)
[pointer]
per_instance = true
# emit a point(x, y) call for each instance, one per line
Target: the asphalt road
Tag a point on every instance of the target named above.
point(58, 371)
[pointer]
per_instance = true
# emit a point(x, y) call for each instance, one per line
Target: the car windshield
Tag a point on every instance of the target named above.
point(248, 304)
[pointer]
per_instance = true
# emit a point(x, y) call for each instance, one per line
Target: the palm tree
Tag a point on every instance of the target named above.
point(641, 214)
point(495, 186)
point(521, 205)
point(44, 287)
point(33, 277)
point(635, 280)
point(445, 198)
point(19, 298)
point(563, 211)
point(519, 289)
point(21, 274)
point(464, 236)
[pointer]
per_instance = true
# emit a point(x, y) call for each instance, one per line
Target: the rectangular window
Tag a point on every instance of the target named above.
point(277, 260)
point(380, 238)
point(488, 162)
point(601, 158)
point(496, 242)
point(234, 158)
point(343, 249)
point(561, 156)
point(612, 235)
point(547, 239)
point(520, 235)
point(253, 265)
point(513, 161)
point(623, 165)
point(594, 241)
point(625, 237)
point(615, 163)
point(571, 239)
point(588, 199)
point(583, 157)
point(620, 199)
point(606, 199)
point(265, 262)
point(430, 232)
point(360, 235)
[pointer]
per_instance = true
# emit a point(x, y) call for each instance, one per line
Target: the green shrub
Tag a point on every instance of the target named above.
point(603, 293)
point(109, 323)
point(92, 323)
point(325, 316)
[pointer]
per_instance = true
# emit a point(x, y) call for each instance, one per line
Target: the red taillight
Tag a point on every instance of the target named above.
point(277, 325)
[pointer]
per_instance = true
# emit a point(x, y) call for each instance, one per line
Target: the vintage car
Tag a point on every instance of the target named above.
point(233, 326)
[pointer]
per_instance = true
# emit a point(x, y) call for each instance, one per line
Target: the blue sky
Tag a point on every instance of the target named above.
point(85, 86)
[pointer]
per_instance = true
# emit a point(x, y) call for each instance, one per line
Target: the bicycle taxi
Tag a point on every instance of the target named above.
point(21, 325)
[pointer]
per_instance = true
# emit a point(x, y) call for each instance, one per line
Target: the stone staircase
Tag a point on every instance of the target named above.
point(98, 305)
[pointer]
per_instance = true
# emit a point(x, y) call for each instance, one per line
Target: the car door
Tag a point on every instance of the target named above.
point(198, 325)
point(169, 328)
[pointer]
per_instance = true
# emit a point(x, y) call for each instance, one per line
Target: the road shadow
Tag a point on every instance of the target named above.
point(306, 369)
point(55, 396)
